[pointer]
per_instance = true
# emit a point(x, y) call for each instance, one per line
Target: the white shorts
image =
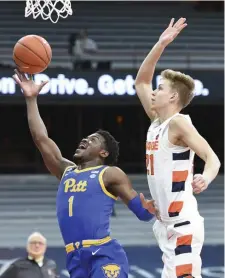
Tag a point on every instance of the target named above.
point(181, 245)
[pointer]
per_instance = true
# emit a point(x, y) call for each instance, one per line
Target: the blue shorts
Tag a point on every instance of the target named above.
point(102, 261)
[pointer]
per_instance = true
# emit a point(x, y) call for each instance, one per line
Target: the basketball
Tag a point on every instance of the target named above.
point(32, 54)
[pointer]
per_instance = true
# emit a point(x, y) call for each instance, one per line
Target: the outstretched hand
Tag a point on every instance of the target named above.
point(28, 86)
point(172, 31)
point(150, 206)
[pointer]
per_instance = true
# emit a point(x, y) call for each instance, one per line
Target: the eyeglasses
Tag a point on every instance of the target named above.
point(36, 242)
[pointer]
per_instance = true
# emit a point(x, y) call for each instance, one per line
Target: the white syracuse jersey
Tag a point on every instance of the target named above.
point(170, 173)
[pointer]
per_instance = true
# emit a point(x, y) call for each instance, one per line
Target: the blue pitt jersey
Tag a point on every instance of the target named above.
point(84, 206)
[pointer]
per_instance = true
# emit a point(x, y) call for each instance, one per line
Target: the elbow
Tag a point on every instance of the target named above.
point(137, 83)
point(141, 85)
point(39, 135)
point(215, 165)
point(218, 164)
point(142, 79)
point(213, 161)
point(138, 86)
point(39, 138)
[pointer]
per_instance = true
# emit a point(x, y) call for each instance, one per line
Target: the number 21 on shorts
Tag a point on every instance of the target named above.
point(150, 164)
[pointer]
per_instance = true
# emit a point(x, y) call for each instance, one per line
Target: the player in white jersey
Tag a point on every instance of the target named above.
point(171, 143)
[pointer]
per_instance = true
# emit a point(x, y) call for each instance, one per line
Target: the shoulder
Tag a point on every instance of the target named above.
point(114, 174)
point(67, 163)
point(66, 166)
point(111, 170)
point(11, 264)
point(21, 261)
point(180, 124)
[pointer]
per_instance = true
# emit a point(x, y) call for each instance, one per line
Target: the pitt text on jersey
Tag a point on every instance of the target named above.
point(70, 185)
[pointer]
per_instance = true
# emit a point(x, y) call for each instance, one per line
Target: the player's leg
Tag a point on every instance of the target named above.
point(109, 260)
point(74, 265)
point(161, 235)
point(189, 242)
point(78, 272)
point(181, 247)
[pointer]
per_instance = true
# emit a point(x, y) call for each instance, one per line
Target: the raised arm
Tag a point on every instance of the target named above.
point(145, 74)
point(50, 152)
point(118, 184)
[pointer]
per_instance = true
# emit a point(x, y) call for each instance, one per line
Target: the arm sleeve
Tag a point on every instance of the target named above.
point(136, 207)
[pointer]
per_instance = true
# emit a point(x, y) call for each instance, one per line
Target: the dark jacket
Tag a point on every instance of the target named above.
point(26, 268)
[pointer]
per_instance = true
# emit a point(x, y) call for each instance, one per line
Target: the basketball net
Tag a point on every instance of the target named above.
point(48, 9)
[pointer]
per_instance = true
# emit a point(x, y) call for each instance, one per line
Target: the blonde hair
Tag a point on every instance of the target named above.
point(182, 83)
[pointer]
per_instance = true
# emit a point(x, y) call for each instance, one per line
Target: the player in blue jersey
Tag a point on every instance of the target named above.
point(87, 191)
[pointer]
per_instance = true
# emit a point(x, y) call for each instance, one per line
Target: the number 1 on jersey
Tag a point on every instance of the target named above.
point(71, 206)
point(150, 161)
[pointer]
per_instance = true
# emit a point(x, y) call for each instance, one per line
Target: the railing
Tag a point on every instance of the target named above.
point(186, 57)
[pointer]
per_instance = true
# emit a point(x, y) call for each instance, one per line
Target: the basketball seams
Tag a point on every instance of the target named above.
point(32, 52)
point(37, 38)
point(30, 55)
point(25, 63)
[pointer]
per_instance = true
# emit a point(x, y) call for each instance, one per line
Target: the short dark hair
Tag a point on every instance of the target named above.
point(112, 146)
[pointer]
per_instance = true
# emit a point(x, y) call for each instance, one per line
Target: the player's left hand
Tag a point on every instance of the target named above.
point(150, 205)
point(28, 86)
point(199, 183)
point(172, 31)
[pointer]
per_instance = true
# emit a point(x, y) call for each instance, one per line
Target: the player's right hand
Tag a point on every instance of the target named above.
point(28, 86)
point(172, 31)
point(150, 205)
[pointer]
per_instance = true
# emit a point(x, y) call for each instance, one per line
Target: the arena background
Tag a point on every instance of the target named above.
point(76, 103)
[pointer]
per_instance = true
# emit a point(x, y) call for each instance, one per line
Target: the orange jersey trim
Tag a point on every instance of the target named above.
point(179, 176)
point(184, 269)
point(176, 206)
point(184, 240)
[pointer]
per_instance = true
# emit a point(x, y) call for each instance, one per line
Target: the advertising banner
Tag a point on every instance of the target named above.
point(114, 87)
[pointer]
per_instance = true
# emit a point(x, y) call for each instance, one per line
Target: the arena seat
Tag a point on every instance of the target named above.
point(27, 203)
point(124, 36)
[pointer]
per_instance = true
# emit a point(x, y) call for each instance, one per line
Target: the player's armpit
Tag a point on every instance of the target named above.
point(52, 156)
point(188, 134)
point(144, 92)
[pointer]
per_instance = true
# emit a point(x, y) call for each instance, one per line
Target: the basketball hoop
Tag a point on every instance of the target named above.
point(48, 9)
